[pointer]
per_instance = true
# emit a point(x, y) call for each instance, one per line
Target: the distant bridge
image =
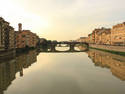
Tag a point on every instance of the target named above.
point(71, 45)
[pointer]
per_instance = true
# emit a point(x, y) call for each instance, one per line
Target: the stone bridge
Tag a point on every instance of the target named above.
point(71, 45)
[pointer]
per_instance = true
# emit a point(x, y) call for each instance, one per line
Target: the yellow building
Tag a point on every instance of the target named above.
point(106, 37)
point(96, 35)
point(103, 36)
point(118, 34)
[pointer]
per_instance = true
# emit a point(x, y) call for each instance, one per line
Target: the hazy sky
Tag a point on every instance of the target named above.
point(63, 19)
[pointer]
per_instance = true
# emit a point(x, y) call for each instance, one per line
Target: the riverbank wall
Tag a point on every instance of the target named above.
point(23, 50)
point(109, 48)
point(8, 54)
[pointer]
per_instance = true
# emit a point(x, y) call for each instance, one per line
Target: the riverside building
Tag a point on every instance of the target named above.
point(118, 34)
point(7, 36)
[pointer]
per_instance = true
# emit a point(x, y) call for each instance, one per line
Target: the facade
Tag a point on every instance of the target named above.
point(35, 40)
point(90, 38)
point(11, 38)
point(118, 34)
point(102, 36)
point(2, 37)
point(7, 36)
point(106, 37)
point(93, 37)
point(96, 35)
point(25, 38)
point(87, 39)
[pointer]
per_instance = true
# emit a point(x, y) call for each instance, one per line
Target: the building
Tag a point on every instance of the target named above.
point(35, 40)
point(102, 36)
point(25, 38)
point(90, 38)
point(11, 38)
point(118, 34)
point(106, 37)
point(96, 36)
point(7, 35)
point(2, 37)
point(82, 39)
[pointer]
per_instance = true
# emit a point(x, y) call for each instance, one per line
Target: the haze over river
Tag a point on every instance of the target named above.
point(91, 72)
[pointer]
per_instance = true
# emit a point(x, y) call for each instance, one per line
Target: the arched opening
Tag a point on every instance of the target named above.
point(83, 47)
point(62, 48)
point(62, 45)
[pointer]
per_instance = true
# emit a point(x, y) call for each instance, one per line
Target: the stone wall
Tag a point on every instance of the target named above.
point(108, 47)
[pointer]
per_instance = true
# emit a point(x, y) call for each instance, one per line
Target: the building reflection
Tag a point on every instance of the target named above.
point(9, 68)
point(115, 63)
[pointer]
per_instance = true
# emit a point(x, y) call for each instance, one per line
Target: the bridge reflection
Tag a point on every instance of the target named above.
point(53, 50)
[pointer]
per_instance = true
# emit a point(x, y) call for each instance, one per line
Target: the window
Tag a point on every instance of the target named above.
point(120, 38)
point(23, 35)
point(22, 41)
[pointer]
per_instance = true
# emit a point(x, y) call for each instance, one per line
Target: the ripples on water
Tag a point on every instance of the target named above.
point(91, 72)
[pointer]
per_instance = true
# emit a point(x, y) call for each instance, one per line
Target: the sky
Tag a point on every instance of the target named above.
point(63, 19)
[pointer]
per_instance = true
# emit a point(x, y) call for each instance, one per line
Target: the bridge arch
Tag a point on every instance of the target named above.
point(70, 44)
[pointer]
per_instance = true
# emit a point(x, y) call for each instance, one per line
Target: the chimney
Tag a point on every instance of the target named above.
point(19, 27)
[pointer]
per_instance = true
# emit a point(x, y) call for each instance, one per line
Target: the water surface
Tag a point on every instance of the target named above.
point(91, 72)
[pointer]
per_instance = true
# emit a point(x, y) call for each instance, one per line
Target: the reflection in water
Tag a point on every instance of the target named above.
point(9, 68)
point(116, 63)
point(64, 73)
point(64, 49)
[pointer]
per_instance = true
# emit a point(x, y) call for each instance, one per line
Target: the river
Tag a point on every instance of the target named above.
point(90, 72)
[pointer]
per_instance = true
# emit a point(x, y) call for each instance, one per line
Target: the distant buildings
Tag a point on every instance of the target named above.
point(82, 39)
point(107, 36)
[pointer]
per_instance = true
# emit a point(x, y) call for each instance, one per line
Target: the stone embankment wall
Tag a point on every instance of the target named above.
point(7, 55)
point(109, 47)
